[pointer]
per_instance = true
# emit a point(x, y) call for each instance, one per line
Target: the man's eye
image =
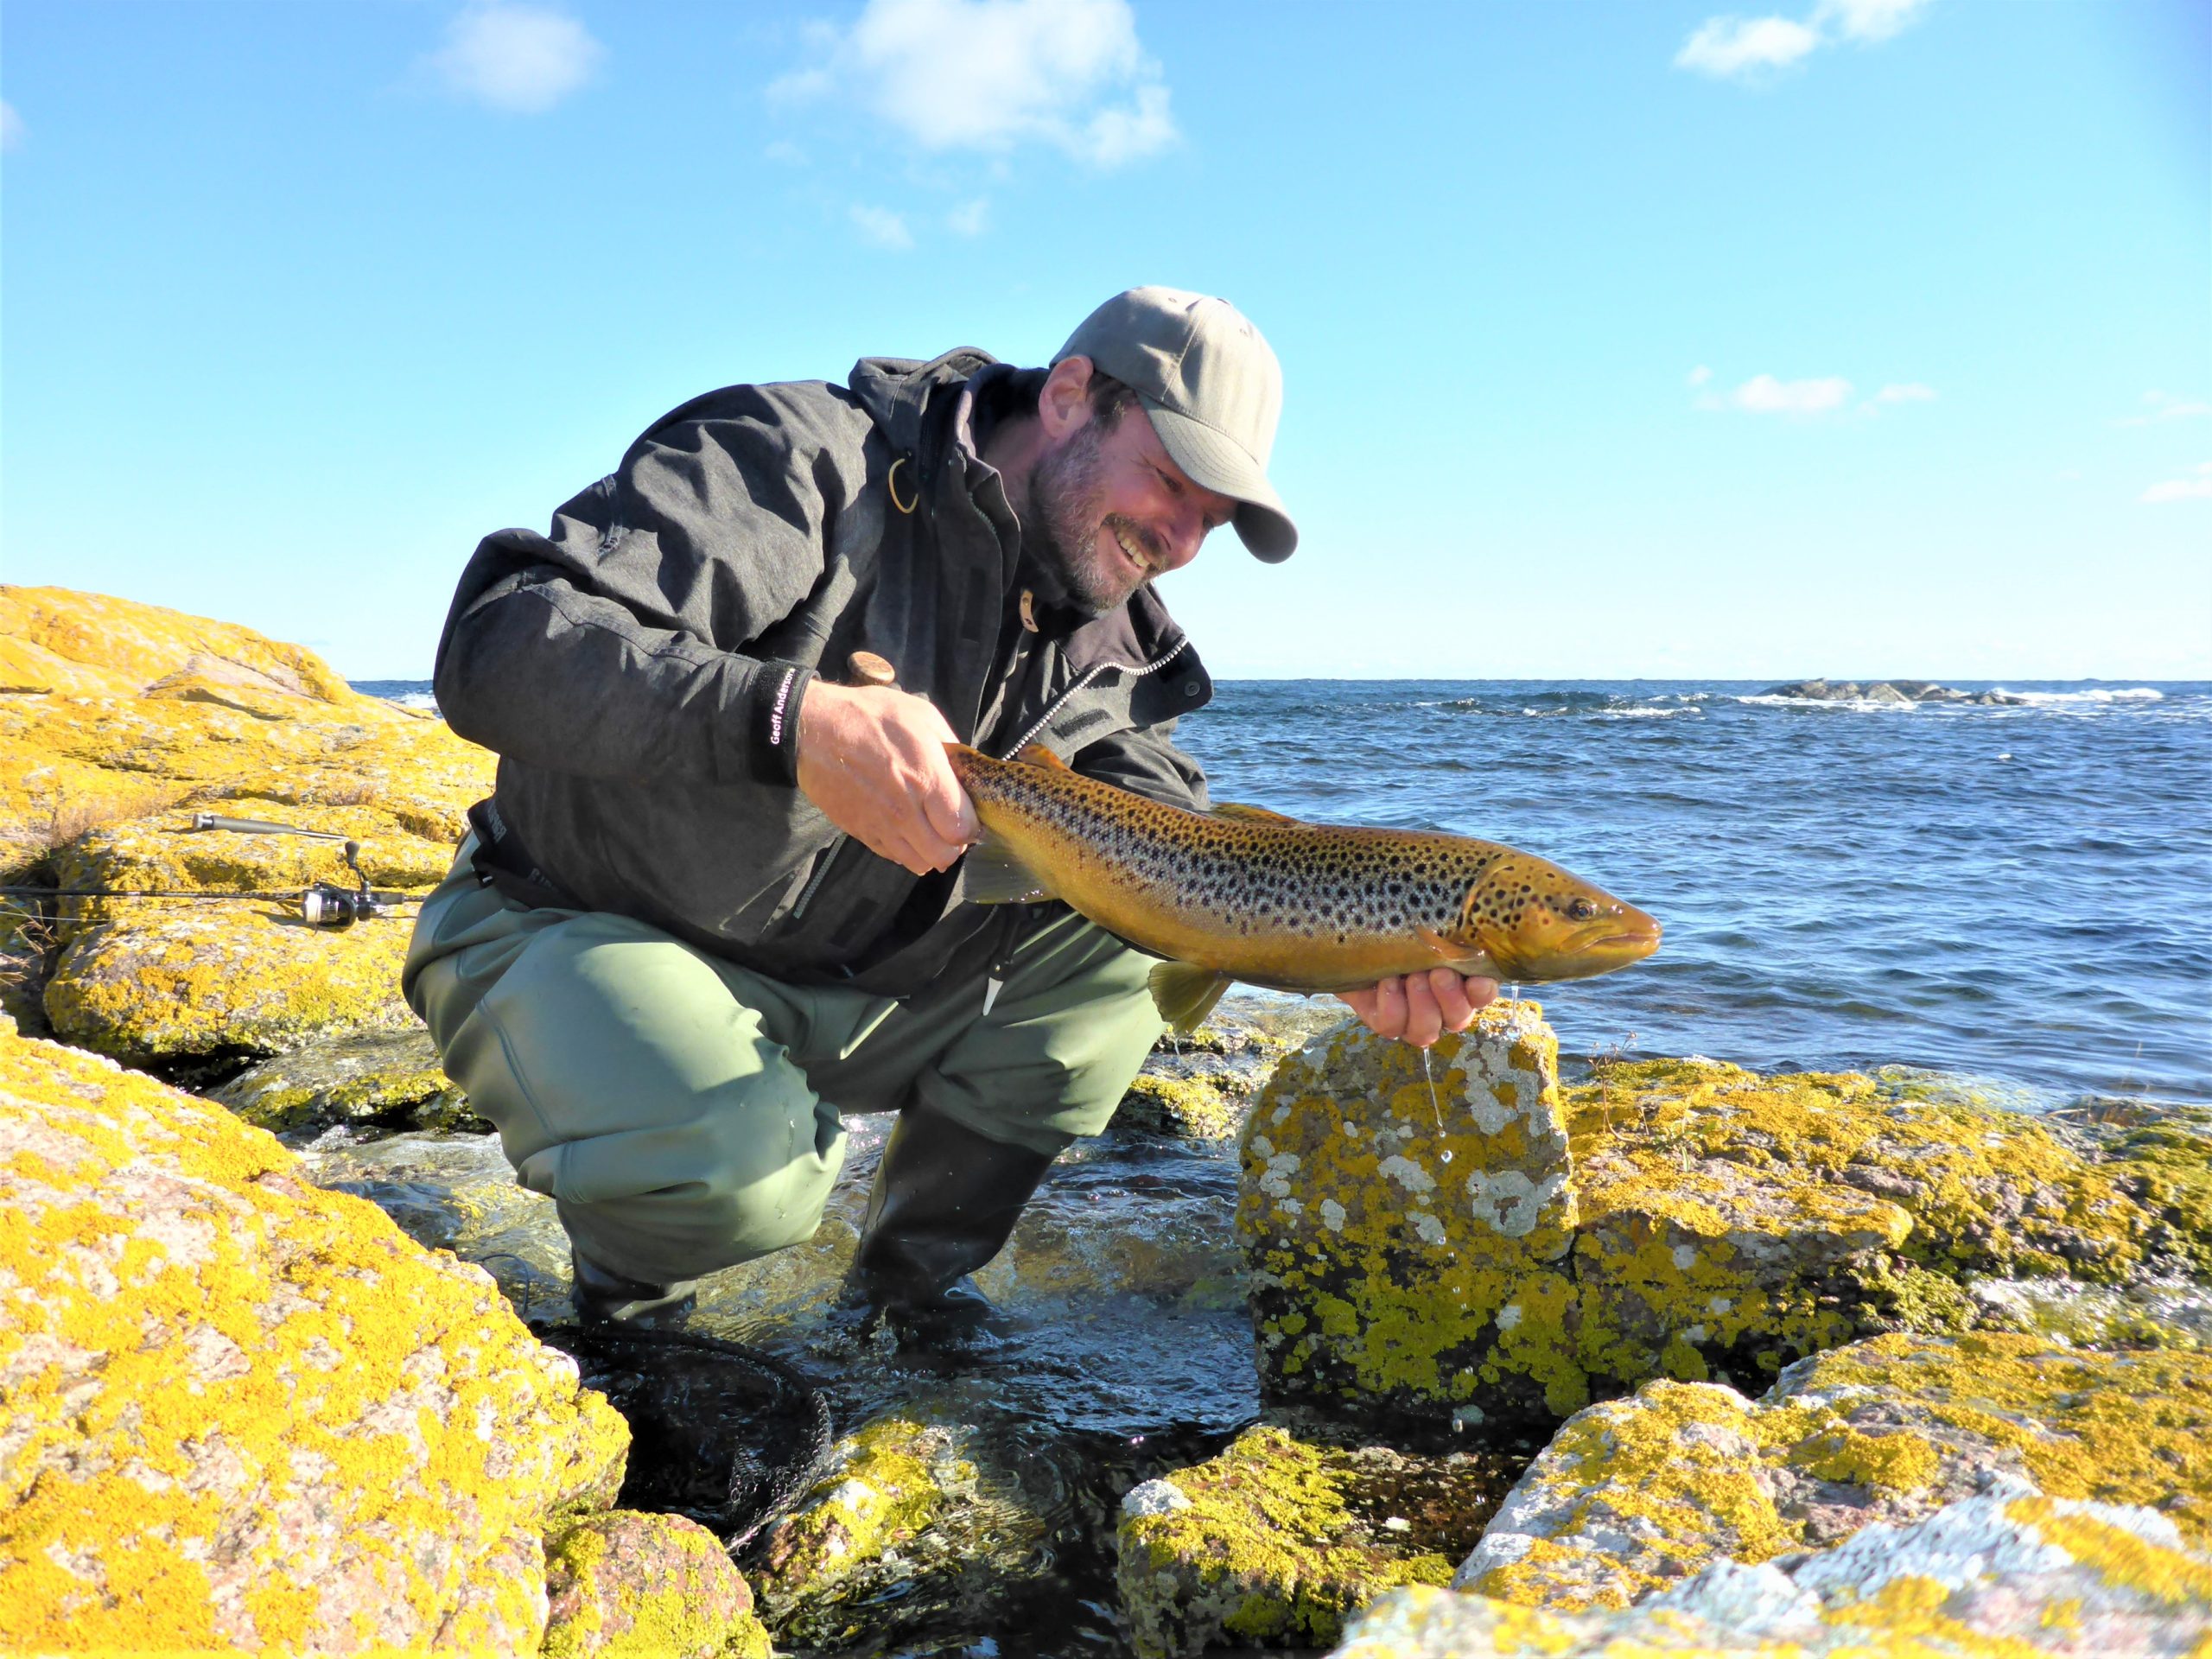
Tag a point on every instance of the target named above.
point(1173, 488)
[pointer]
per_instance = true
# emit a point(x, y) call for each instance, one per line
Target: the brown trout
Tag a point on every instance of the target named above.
point(1242, 894)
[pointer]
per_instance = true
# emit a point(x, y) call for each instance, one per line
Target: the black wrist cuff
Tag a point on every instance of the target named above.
point(777, 692)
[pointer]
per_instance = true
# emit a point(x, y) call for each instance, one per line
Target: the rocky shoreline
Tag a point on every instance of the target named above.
point(1642, 1356)
point(1898, 691)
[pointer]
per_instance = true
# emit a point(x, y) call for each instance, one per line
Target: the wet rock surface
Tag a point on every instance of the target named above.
point(1297, 1523)
point(2016, 1575)
point(379, 1079)
point(243, 1412)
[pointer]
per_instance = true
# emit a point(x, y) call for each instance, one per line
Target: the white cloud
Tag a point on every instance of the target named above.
point(880, 226)
point(1735, 47)
point(2164, 406)
point(11, 127)
point(1700, 375)
point(1764, 395)
point(970, 219)
point(1906, 391)
point(1754, 48)
point(2196, 486)
point(524, 59)
point(991, 74)
point(1869, 20)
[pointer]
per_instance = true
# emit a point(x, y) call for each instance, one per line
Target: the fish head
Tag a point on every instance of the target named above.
point(1536, 922)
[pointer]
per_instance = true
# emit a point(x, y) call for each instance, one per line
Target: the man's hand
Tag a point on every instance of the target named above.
point(873, 758)
point(1420, 1008)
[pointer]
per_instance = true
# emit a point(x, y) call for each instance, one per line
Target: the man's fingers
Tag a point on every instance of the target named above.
point(1453, 1004)
point(1424, 1020)
point(1479, 990)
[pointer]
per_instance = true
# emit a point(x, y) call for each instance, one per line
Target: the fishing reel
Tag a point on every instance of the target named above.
point(326, 904)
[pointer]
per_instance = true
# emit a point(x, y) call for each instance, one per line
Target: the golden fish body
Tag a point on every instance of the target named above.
point(1242, 894)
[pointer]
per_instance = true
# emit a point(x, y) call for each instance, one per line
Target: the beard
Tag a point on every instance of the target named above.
point(1067, 496)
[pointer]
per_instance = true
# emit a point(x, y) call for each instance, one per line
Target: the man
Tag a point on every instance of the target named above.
point(715, 900)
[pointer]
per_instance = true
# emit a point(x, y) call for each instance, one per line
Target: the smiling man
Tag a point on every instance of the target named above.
point(715, 903)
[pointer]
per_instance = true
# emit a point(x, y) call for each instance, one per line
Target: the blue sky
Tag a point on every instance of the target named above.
point(1860, 337)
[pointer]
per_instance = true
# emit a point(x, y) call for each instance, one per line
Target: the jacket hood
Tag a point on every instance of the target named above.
point(895, 391)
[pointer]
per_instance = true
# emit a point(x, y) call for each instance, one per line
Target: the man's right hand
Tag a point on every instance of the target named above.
point(873, 758)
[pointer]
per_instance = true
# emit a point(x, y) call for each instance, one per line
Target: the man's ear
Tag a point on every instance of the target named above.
point(1064, 405)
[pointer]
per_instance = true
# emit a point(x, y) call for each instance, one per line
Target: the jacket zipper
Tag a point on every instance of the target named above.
point(829, 854)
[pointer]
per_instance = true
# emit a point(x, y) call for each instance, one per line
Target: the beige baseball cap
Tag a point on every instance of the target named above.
point(1214, 392)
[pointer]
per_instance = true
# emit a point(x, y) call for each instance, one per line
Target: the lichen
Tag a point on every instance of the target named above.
point(1190, 1107)
point(1266, 1549)
point(243, 1412)
point(633, 1586)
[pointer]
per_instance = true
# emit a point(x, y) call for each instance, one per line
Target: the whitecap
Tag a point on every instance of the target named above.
point(2095, 693)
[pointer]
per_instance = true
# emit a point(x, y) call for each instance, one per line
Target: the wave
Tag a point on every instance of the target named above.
point(1853, 705)
point(2131, 694)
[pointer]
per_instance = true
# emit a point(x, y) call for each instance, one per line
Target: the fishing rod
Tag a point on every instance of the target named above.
point(324, 905)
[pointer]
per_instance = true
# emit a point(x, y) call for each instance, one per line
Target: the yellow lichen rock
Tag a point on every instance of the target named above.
point(1683, 1218)
point(1275, 1541)
point(628, 1585)
point(1634, 1495)
point(1984, 1578)
point(118, 723)
point(1407, 1232)
point(244, 1412)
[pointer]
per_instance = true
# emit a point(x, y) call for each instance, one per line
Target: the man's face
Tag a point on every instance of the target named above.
point(1111, 509)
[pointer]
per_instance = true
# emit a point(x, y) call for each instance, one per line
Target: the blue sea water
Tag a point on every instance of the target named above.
point(2018, 894)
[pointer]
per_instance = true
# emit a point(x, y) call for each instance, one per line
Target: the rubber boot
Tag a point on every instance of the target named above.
point(944, 1202)
point(603, 1296)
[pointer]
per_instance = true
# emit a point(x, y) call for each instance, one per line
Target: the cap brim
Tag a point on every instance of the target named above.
point(1226, 468)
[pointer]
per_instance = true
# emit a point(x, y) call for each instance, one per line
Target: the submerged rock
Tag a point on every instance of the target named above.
point(389, 1078)
point(2019, 1576)
point(899, 1521)
point(630, 1585)
point(1294, 1527)
point(1677, 1218)
point(117, 721)
point(246, 1413)
point(1635, 1495)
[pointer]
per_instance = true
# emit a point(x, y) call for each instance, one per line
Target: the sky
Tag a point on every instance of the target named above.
point(1857, 338)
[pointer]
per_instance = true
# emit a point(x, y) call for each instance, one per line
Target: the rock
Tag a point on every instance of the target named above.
point(1275, 1541)
point(887, 1539)
point(2019, 1575)
point(1635, 1495)
point(126, 718)
point(391, 1078)
point(630, 1585)
point(1722, 1224)
point(246, 1413)
point(1407, 1247)
point(1816, 691)
point(1883, 691)
point(1189, 1108)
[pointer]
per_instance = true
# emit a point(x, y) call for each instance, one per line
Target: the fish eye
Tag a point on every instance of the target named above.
point(1582, 909)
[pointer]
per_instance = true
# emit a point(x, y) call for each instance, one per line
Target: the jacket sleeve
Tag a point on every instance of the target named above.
point(619, 646)
point(1145, 760)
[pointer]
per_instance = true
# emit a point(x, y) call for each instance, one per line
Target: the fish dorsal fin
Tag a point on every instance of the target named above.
point(1186, 992)
point(1237, 812)
point(993, 873)
point(1036, 754)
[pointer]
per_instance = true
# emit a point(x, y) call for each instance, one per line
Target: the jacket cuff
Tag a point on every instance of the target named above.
point(770, 721)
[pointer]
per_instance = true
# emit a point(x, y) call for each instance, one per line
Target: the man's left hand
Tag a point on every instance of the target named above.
point(1421, 1008)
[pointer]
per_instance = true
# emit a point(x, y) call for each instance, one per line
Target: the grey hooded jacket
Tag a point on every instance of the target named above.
point(639, 671)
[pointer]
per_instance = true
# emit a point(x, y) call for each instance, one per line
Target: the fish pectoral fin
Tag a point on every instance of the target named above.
point(993, 873)
point(1186, 992)
point(1036, 754)
point(1458, 954)
point(1238, 813)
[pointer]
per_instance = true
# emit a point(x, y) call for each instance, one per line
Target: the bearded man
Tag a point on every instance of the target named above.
point(714, 904)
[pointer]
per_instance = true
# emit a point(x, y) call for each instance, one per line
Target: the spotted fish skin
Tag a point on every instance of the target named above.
point(1291, 905)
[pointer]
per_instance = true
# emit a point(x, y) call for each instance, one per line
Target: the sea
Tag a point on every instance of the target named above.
point(2017, 897)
